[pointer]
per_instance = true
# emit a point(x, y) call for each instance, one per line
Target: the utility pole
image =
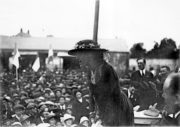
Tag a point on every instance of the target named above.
point(96, 20)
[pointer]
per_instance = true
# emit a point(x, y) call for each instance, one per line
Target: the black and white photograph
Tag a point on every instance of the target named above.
point(89, 63)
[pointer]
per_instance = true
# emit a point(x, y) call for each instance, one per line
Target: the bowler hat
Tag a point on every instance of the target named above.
point(86, 45)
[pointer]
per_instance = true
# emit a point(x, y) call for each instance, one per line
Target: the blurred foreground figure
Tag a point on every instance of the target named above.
point(107, 99)
point(171, 95)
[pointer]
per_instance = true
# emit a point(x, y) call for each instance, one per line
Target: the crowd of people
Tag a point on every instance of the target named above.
point(54, 98)
point(61, 98)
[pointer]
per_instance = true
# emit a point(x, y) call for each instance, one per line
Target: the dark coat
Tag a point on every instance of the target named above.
point(147, 95)
point(136, 76)
point(80, 109)
point(113, 105)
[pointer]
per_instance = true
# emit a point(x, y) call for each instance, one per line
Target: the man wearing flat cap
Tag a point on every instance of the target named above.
point(106, 96)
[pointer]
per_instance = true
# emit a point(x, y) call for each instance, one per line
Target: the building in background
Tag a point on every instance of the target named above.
point(29, 47)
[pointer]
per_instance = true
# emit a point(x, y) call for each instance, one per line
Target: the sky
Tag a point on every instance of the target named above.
point(135, 21)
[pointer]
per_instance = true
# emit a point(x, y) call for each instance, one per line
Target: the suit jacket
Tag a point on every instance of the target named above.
point(136, 76)
point(147, 95)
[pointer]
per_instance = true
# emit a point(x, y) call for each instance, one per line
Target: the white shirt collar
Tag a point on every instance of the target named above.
point(176, 114)
point(144, 71)
point(80, 100)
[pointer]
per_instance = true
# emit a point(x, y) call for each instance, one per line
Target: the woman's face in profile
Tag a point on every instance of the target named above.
point(84, 59)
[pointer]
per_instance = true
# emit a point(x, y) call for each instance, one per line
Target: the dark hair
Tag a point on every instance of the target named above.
point(144, 60)
point(175, 84)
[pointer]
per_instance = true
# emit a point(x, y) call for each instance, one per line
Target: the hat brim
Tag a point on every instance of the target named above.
point(64, 120)
point(75, 51)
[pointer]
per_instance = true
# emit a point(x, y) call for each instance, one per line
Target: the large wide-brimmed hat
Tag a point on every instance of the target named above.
point(86, 45)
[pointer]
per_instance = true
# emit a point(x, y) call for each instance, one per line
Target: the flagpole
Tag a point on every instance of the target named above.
point(16, 74)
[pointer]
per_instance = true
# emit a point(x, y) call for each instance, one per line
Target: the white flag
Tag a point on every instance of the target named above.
point(16, 56)
point(50, 52)
point(36, 64)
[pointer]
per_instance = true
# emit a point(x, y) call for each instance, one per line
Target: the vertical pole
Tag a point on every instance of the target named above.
point(17, 78)
point(96, 19)
point(16, 73)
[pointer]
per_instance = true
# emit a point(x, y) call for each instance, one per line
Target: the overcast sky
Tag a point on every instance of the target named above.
point(133, 20)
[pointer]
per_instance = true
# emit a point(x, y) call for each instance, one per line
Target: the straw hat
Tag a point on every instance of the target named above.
point(84, 118)
point(67, 117)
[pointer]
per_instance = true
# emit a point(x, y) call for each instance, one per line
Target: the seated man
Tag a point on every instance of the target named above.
point(171, 94)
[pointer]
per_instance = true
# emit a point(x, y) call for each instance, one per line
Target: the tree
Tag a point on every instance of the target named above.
point(166, 49)
point(137, 50)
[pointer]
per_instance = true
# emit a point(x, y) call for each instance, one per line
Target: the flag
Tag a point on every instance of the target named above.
point(36, 64)
point(50, 52)
point(16, 56)
point(50, 55)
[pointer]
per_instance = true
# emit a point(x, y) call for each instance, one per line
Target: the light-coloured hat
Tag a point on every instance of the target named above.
point(16, 123)
point(49, 103)
point(67, 116)
point(84, 118)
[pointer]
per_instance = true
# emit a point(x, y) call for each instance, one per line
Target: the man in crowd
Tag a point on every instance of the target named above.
point(141, 82)
point(171, 94)
point(79, 107)
point(160, 78)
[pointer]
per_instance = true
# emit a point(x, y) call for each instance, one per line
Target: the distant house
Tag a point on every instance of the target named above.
point(29, 47)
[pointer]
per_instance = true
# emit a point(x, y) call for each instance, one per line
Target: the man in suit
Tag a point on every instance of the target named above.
point(79, 107)
point(140, 80)
point(171, 95)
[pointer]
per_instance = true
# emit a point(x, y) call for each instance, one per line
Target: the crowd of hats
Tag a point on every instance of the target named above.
point(39, 90)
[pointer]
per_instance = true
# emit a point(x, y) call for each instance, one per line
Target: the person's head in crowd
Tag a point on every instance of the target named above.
point(164, 70)
point(69, 109)
point(31, 109)
point(19, 109)
point(17, 101)
point(68, 99)
point(68, 120)
point(49, 104)
point(46, 95)
point(42, 106)
point(62, 100)
point(78, 94)
point(63, 90)
point(52, 120)
point(84, 121)
point(59, 124)
point(58, 93)
point(45, 114)
point(141, 62)
point(171, 93)
point(39, 87)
